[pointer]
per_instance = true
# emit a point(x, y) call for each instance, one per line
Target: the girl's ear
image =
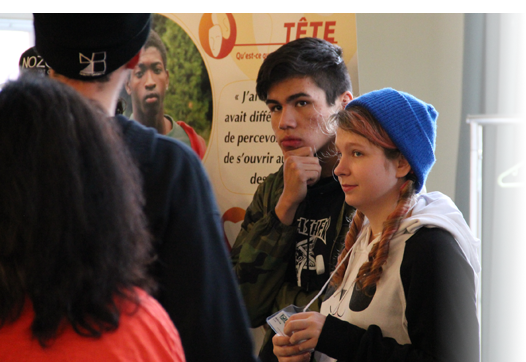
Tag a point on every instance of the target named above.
point(402, 167)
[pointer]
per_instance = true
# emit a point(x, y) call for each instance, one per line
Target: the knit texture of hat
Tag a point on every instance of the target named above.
point(89, 46)
point(409, 122)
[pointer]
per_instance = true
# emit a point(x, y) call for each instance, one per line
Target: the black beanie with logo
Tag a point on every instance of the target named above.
point(89, 46)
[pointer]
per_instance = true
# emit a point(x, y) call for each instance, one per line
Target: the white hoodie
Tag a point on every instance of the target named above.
point(387, 308)
point(435, 209)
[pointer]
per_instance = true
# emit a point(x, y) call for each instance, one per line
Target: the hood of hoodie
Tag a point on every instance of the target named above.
point(435, 209)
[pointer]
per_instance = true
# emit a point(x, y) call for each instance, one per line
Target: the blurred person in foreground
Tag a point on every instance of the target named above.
point(74, 248)
point(94, 53)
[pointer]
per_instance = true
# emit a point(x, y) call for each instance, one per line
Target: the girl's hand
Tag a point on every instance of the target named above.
point(303, 331)
point(287, 352)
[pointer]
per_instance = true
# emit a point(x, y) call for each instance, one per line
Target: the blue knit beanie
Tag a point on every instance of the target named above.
point(409, 122)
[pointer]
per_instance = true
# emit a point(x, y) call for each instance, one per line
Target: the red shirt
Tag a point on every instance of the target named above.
point(147, 335)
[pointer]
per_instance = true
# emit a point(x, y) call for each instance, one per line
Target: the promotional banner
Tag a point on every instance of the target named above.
point(213, 62)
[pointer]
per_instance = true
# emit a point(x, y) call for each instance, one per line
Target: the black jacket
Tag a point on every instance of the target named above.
point(196, 283)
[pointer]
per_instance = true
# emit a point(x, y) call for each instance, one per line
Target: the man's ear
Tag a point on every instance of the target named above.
point(402, 167)
point(133, 62)
point(345, 98)
point(167, 79)
point(127, 85)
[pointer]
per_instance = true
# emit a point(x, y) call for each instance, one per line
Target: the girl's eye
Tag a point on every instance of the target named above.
point(356, 153)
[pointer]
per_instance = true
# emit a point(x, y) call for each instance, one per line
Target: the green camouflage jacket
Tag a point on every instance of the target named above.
point(261, 254)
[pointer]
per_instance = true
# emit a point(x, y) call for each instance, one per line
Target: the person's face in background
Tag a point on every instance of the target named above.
point(147, 85)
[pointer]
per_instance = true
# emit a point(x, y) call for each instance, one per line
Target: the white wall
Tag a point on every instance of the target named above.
point(16, 36)
point(420, 54)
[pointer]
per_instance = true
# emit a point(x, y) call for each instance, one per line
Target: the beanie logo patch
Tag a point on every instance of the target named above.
point(96, 64)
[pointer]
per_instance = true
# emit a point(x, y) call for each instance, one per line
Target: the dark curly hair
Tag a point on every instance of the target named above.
point(306, 57)
point(73, 238)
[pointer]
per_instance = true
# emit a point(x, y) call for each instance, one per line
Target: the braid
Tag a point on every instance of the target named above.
point(371, 271)
point(350, 239)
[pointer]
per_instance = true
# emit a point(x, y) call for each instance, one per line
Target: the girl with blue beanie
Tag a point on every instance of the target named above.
point(405, 288)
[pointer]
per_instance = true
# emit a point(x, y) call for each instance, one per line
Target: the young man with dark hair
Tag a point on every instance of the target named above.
point(147, 85)
point(93, 53)
point(298, 219)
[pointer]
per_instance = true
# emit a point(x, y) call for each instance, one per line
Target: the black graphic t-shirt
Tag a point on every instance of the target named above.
point(316, 232)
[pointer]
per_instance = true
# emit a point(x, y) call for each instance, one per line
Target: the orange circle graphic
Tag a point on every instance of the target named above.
point(217, 34)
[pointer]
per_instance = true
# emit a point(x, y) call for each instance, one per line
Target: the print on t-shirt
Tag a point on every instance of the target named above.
point(314, 244)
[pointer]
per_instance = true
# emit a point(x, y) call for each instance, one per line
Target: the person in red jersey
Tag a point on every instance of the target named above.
point(74, 245)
